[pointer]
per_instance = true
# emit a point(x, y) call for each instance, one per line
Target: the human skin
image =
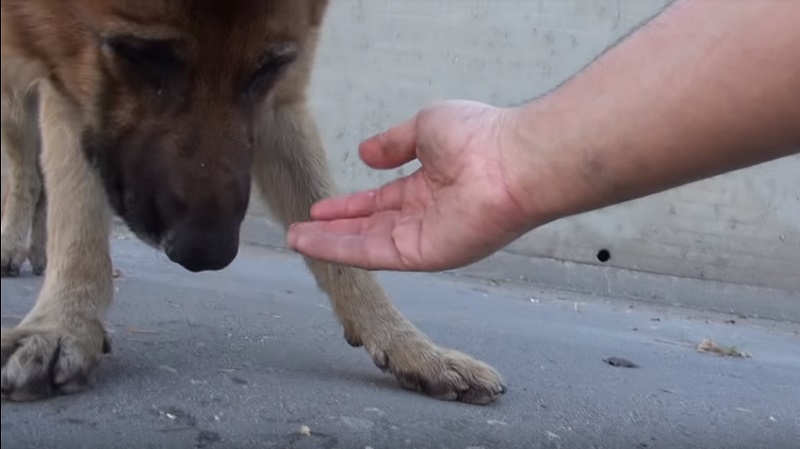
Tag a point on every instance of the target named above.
point(704, 88)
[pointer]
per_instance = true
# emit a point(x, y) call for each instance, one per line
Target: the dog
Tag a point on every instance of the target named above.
point(165, 113)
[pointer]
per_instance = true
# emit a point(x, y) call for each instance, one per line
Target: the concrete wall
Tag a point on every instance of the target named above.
point(381, 60)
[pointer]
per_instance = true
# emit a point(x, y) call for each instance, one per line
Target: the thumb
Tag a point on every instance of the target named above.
point(391, 148)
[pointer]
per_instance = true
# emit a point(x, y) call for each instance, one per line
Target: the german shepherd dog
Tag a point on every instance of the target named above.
point(165, 112)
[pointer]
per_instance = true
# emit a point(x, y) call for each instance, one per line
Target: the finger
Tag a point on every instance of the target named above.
point(344, 226)
point(391, 148)
point(387, 197)
point(372, 251)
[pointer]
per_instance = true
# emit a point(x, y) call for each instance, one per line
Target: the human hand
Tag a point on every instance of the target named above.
point(457, 208)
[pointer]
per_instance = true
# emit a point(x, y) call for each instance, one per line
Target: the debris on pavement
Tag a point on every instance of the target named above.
point(620, 362)
point(552, 436)
point(710, 346)
point(495, 422)
point(305, 430)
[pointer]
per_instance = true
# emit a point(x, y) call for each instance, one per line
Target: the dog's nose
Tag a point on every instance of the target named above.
point(202, 249)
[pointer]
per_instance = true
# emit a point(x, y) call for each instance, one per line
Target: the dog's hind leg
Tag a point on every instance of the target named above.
point(37, 247)
point(21, 142)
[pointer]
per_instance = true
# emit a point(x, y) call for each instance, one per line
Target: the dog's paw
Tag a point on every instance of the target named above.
point(43, 363)
point(12, 255)
point(445, 374)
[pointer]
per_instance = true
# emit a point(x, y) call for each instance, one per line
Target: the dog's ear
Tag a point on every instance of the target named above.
point(22, 23)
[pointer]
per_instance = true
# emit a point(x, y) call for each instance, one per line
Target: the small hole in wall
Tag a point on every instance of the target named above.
point(604, 255)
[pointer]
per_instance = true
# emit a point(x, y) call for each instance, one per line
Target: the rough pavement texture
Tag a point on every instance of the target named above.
point(244, 357)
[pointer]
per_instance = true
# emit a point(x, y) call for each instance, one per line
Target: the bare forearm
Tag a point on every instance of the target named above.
point(705, 88)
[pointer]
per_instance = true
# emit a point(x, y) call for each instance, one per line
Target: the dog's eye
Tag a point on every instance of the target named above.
point(150, 58)
point(272, 66)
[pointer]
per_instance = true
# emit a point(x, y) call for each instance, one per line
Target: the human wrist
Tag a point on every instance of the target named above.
point(538, 162)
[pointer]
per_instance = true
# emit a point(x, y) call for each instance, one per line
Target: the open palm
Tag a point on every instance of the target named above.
point(455, 209)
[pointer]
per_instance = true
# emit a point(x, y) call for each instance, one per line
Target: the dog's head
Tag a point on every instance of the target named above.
point(168, 93)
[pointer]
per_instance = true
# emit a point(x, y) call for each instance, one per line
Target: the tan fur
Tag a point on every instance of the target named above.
point(289, 167)
point(23, 200)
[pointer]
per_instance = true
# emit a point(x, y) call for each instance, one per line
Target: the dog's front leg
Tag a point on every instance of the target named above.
point(292, 173)
point(56, 347)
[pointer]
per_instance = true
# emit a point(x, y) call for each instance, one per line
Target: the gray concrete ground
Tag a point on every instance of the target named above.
point(244, 357)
